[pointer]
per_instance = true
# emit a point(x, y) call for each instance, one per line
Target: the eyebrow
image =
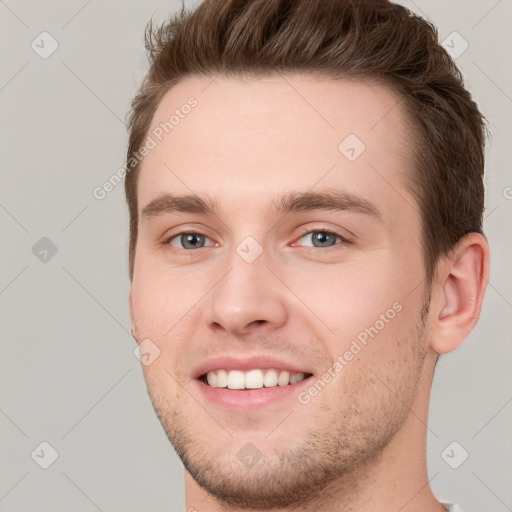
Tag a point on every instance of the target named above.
point(290, 202)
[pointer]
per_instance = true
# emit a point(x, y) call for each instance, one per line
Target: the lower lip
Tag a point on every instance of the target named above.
point(236, 399)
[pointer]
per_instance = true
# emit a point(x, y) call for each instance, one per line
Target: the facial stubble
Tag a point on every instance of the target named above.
point(352, 435)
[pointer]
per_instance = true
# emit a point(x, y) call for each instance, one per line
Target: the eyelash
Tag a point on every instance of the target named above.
point(344, 240)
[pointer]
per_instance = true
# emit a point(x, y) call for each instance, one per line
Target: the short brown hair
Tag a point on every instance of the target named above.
point(374, 40)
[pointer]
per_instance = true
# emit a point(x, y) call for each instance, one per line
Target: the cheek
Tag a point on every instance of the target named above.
point(377, 368)
point(162, 390)
point(348, 299)
point(161, 298)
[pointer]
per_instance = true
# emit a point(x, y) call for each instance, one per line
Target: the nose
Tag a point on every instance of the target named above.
point(248, 299)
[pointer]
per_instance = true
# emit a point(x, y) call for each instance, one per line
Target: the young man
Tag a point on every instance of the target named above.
point(305, 192)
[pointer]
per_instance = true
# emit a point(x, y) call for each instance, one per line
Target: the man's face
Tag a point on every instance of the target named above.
point(295, 289)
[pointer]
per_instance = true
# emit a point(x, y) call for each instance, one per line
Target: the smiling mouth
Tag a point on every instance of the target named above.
point(252, 379)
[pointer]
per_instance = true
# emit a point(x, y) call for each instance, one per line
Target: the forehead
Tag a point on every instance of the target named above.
point(239, 140)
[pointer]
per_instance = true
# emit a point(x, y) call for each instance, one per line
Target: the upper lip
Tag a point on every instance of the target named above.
point(247, 363)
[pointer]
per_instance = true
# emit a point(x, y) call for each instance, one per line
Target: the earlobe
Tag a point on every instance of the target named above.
point(461, 284)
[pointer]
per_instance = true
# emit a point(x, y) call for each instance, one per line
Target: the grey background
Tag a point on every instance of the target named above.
point(68, 375)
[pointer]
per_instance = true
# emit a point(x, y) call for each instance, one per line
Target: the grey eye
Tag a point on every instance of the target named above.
point(321, 238)
point(189, 241)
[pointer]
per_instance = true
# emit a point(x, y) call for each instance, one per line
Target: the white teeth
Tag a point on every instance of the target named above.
point(222, 378)
point(284, 378)
point(212, 379)
point(236, 380)
point(270, 379)
point(252, 379)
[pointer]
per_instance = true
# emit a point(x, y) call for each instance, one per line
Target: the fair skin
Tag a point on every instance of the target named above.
point(359, 442)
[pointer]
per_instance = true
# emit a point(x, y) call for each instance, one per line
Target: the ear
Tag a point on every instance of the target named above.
point(458, 293)
point(133, 323)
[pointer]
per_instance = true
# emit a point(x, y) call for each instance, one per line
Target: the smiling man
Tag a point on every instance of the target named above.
point(305, 194)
